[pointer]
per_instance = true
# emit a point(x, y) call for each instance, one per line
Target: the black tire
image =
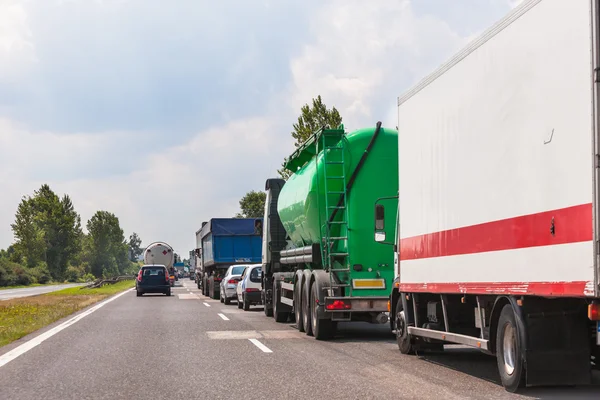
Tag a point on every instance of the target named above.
point(246, 303)
point(279, 316)
point(168, 293)
point(402, 337)
point(268, 310)
point(298, 305)
point(198, 284)
point(139, 294)
point(221, 298)
point(239, 303)
point(306, 309)
point(509, 354)
point(226, 300)
point(323, 329)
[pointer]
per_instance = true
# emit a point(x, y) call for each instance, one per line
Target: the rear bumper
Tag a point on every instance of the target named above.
point(153, 289)
point(359, 304)
point(253, 297)
point(230, 293)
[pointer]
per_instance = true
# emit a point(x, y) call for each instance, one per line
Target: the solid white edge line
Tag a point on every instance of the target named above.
point(25, 347)
point(223, 317)
point(206, 304)
point(261, 346)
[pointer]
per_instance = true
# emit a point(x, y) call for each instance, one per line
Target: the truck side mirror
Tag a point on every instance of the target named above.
point(379, 223)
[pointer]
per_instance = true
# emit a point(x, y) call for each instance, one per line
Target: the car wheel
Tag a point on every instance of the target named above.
point(226, 300)
point(221, 298)
point(246, 303)
point(168, 292)
point(138, 293)
point(239, 303)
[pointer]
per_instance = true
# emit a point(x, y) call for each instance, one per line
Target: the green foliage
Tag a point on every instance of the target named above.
point(107, 250)
point(312, 119)
point(47, 228)
point(252, 205)
point(134, 246)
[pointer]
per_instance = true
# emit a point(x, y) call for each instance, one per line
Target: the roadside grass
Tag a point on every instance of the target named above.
point(21, 316)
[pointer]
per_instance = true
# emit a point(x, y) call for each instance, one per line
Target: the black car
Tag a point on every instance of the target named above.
point(153, 279)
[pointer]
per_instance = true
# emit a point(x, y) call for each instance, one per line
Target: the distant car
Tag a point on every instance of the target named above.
point(172, 276)
point(248, 289)
point(192, 276)
point(153, 279)
point(229, 283)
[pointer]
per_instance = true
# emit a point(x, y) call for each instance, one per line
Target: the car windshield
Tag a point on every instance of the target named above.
point(237, 270)
point(153, 271)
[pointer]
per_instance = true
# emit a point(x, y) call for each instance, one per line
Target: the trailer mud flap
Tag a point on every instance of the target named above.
point(558, 345)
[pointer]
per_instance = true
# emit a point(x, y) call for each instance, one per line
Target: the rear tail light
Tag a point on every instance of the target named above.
point(338, 305)
point(139, 278)
point(167, 277)
point(251, 289)
point(232, 281)
point(594, 312)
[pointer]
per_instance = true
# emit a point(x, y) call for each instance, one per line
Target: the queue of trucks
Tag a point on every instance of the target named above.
point(475, 222)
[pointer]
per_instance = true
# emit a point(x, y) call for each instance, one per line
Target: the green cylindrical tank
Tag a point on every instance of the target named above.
point(302, 201)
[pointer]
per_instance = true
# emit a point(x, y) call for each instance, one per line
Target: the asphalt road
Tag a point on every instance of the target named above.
point(7, 294)
point(189, 347)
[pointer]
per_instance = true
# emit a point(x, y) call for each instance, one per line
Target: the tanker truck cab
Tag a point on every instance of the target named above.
point(320, 259)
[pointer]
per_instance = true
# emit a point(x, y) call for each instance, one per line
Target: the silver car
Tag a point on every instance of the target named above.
point(229, 283)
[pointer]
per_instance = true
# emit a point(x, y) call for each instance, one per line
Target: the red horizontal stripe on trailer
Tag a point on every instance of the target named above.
point(559, 289)
point(571, 225)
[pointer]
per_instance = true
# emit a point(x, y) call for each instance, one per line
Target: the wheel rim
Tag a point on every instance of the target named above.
point(400, 326)
point(509, 347)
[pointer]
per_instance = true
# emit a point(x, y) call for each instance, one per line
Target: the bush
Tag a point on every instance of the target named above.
point(74, 274)
point(88, 278)
point(40, 273)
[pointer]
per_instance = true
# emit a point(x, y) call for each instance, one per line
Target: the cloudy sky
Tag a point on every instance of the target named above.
point(166, 113)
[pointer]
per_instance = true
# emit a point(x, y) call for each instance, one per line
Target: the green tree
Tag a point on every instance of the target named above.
point(134, 246)
point(107, 249)
point(47, 228)
point(312, 119)
point(252, 205)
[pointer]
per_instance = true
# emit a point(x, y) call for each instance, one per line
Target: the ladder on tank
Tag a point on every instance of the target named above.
point(335, 249)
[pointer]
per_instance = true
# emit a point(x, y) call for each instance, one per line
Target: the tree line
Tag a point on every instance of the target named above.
point(312, 118)
point(50, 244)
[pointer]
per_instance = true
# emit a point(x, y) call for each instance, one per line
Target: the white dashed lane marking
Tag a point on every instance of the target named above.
point(223, 317)
point(261, 346)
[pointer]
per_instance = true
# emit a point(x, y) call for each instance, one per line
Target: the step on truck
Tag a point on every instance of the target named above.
point(222, 242)
point(321, 264)
point(497, 234)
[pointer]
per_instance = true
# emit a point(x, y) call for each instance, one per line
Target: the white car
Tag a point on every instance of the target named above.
point(248, 290)
point(229, 283)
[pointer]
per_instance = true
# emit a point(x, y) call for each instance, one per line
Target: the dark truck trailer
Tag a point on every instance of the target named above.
point(224, 242)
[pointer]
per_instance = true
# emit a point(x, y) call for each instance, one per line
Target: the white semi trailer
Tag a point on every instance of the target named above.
point(498, 224)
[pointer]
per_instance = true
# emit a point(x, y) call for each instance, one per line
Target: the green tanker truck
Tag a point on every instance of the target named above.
point(320, 260)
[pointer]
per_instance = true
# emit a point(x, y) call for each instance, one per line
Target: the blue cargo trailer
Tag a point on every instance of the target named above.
point(224, 242)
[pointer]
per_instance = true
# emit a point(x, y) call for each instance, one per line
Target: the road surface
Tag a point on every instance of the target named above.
point(7, 294)
point(189, 347)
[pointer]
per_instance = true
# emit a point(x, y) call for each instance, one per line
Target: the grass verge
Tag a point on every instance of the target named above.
point(20, 317)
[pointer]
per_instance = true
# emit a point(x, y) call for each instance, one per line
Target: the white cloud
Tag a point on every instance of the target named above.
point(169, 193)
point(17, 51)
point(365, 54)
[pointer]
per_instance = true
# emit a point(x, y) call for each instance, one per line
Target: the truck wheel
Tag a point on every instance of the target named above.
point(298, 305)
point(306, 309)
point(323, 329)
point(246, 303)
point(278, 315)
point(402, 337)
point(267, 308)
point(508, 351)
